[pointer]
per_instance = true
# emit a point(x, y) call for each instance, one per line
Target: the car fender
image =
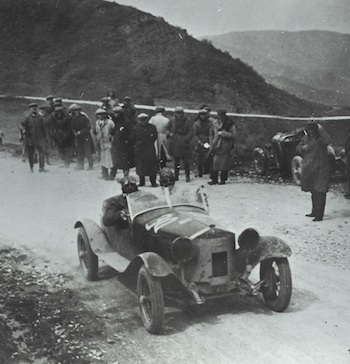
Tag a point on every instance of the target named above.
point(97, 238)
point(273, 247)
point(154, 263)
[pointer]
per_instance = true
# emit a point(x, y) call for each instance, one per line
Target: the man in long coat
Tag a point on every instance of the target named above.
point(81, 128)
point(143, 136)
point(181, 134)
point(162, 125)
point(123, 152)
point(315, 167)
point(104, 128)
point(222, 137)
point(33, 127)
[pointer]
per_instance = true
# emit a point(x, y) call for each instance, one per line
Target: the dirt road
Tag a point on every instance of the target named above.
point(38, 211)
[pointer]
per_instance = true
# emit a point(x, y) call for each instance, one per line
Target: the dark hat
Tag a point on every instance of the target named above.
point(179, 109)
point(126, 98)
point(33, 104)
point(222, 111)
point(105, 99)
point(42, 107)
point(59, 108)
point(49, 97)
point(58, 99)
point(203, 112)
point(160, 108)
point(311, 125)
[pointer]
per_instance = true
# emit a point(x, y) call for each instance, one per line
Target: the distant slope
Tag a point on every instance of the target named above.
point(314, 65)
point(80, 48)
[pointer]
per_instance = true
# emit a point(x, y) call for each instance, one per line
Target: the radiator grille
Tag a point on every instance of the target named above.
point(219, 264)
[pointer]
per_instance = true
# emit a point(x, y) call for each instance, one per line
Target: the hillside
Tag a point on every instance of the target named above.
point(80, 48)
point(313, 65)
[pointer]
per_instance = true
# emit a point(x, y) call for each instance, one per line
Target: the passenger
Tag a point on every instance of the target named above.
point(315, 167)
point(222, 138)
point(104, 129)
point(201, 128)
point(114, 210)
point(143, 137)
point(33, 127)
point(81, 128)
point(123, 153)
point(162, 125)
point(181, 133)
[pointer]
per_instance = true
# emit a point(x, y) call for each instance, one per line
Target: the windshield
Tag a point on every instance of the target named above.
point(141, 201)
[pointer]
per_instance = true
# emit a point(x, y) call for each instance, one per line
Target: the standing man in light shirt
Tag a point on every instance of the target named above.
point(162, 125)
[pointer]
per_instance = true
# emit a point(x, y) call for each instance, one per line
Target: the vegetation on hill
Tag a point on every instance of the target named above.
point(81, 48)
point(313, 65)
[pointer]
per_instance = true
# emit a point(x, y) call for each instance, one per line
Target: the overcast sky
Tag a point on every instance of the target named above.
point(209, 17)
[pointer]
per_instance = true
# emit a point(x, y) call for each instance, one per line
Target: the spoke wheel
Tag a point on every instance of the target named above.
point(151, 301)
point(87, 258)
point(277, 289)
point(296, 169)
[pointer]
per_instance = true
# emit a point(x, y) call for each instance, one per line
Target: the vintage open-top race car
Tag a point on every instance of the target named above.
point(179, 256)
point(281, 155)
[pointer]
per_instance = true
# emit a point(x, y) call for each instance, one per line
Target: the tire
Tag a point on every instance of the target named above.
point(296, 168)
point(277, 289)
point(259, 162)
point(87, 258)
point(151, 301)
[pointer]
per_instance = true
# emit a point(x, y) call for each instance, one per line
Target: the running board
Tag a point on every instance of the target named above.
point(115, 260)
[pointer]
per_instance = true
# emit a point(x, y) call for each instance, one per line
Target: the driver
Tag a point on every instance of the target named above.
point(114, 210)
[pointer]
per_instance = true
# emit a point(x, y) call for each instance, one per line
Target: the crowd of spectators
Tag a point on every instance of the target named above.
point(120, 138)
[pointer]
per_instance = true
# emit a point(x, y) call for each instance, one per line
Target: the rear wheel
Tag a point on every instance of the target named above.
point(151, 301)
point(88, 259)
point(277, 289)
point(259, 161)
point(296, 167)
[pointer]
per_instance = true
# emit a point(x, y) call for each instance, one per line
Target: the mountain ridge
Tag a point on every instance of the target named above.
point(81, 48)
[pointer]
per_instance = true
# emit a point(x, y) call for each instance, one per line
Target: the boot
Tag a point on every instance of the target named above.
point(187, 174)
point(104, 173)
point(153, 181)
point(320, 206)
point(142, 181)
point(177, 171)
point(113, 173)
point(314, 202)
point(214, 178)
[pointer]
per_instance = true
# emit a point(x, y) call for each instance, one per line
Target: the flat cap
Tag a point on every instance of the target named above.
point(33, 104)
point(101, 111)
point(118, 109)
point(311, 125)
point(105, 99)
point(127, 98)
point(179, 109)
point(203, 112)
point(42, 107)
point(160, 108)
point(74, 107)
point(142, 116)
point(49, 97)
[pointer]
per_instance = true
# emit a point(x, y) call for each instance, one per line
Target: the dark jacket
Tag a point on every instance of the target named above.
point(315, 167)
point(111, 211)
point(123, 153)
point(181, 132)
point(81, 128)
point(33, 126)
point(143, 137)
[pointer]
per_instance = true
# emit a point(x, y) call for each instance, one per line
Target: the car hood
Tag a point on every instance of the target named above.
point(177, 222)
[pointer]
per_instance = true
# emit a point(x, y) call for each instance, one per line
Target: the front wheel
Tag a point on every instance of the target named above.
point(296, 167)
point(277, 286)
point(151, 301)
point(88, 259)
